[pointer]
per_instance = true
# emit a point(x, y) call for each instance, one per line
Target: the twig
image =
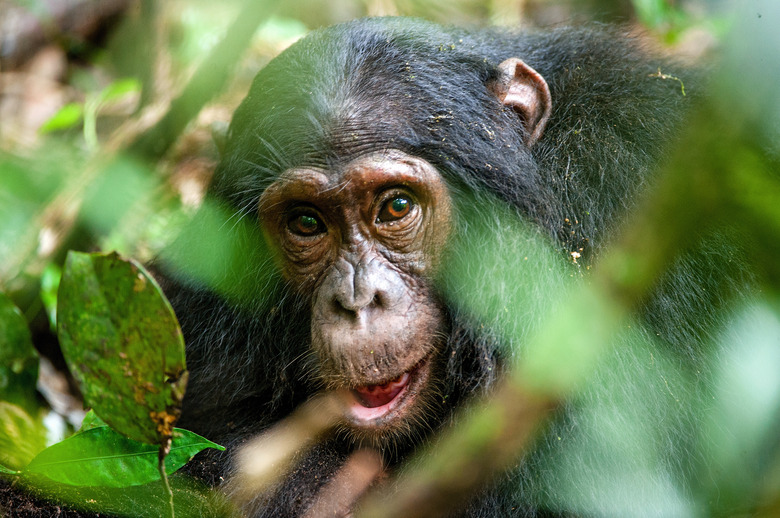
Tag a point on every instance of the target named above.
point(268, 457)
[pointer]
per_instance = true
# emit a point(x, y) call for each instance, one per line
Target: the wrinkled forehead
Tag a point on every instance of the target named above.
point(350, 180)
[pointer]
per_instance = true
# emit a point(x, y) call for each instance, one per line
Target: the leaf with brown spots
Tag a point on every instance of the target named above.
point(123, 344)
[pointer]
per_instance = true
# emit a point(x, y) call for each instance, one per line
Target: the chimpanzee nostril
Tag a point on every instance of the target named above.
point(353, 306)
point(340, 309)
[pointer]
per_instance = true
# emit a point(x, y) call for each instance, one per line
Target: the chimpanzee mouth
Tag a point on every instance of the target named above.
point(372, 405)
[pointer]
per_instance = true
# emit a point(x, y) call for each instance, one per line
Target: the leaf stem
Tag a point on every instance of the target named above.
point(165, 448)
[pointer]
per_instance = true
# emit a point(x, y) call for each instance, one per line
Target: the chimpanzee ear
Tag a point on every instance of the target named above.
point(522, 88)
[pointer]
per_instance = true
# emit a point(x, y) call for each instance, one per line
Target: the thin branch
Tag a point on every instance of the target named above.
point(208, 79)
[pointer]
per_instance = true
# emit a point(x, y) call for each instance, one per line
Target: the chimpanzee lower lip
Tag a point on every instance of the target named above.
point(409, 383)
point(372, 396)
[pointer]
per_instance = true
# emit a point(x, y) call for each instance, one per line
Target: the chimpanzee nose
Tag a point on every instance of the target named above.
point(360, 287)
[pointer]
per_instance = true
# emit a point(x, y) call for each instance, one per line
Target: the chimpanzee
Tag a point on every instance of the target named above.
point(358, 154)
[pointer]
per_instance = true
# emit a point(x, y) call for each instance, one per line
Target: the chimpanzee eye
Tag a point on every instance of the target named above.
point(305, 225)
point(395, 209)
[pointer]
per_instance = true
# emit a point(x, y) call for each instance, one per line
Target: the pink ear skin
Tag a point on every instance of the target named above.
point(525, 90)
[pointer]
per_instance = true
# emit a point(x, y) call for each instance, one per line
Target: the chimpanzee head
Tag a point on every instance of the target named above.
point(350, 152)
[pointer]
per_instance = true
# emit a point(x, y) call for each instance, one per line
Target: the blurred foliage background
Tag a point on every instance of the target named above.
point(111, 115)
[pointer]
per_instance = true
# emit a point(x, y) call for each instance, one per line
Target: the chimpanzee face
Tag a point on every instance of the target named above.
point(363, 241)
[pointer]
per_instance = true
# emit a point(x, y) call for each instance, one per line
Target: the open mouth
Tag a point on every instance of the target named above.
point(373, 396)
point(371, 403)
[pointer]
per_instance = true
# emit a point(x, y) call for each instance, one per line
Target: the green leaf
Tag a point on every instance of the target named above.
point(279, 29)
point(234, 272)
point(120, 88)
point(513, 275)
point(90, 421)
point(50, 282)
point(67, 117)
point(16, 348)
point(121, 191)
point(18, 357)
point(21, 436)
point(102, 457)
point(123, 344)
point(192, 499)
point(8, 471)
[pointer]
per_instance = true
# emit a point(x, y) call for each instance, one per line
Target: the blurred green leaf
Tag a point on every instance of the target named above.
point(18, 357)
point(280, 29)
point(21, 436)
point(27, 188)
point(500, 271)
point(50, 283)
point(95, 101)
point(123, 344)
point(634, 401)
point(36, 179)
point(200, 30)
point(580, 329)
point(16, 348)
point(121, 187)
point(652, 13)
point(102, 457)
point(243, 269)
point(67, 117)
point(743, 416)
point(8, 471)
point(119, 89)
